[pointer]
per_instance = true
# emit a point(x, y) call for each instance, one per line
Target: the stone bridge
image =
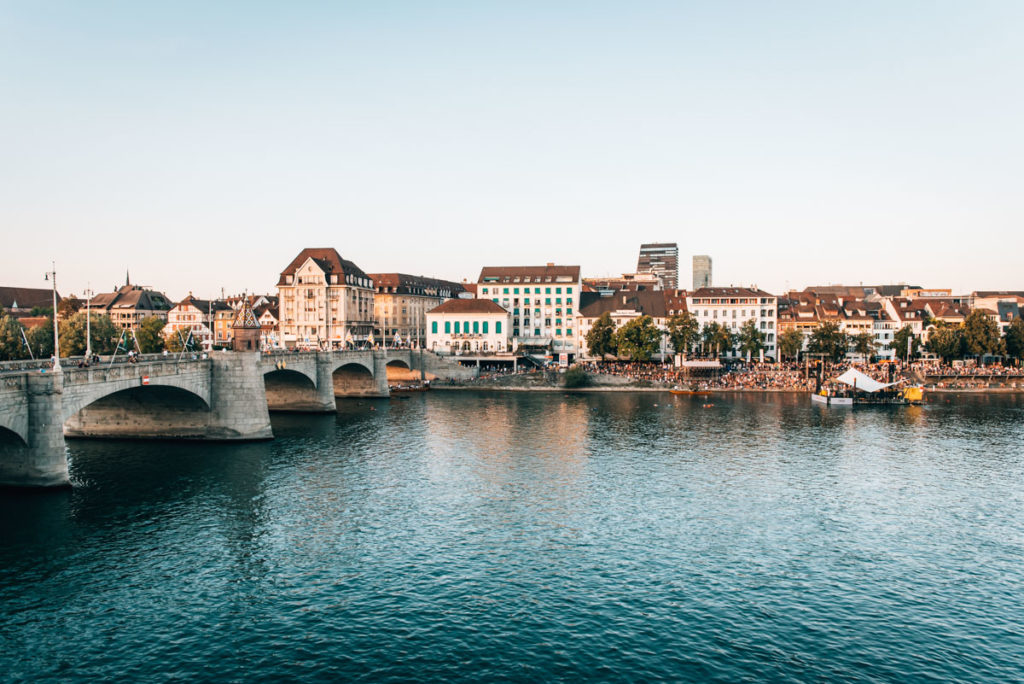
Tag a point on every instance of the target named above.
point(226, 396)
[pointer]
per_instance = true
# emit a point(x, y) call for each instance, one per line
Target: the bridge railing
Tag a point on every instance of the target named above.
point(155, 368)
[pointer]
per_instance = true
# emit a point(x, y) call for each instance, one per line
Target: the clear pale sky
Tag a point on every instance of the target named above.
point(203, 144)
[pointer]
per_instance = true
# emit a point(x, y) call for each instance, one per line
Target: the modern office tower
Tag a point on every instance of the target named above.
point(661, 258)
point(701, 271)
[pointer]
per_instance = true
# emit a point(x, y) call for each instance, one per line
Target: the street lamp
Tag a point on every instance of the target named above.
point(88, 321)
point(56, 339)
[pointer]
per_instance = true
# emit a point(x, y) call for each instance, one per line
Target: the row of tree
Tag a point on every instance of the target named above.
point(16, 341)
point(639, 339)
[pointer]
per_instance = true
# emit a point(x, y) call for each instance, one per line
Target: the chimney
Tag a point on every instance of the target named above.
point(550, 264)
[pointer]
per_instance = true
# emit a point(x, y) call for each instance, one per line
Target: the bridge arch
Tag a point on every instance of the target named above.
point(291, 389)
point(164, 410)
point(11, 438)
point(354, 379)
point(78, 397)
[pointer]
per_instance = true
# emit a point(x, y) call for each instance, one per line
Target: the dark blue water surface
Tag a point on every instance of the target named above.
point(465, 536)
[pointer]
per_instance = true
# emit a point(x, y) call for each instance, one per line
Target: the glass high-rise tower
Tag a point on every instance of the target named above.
point(701, 271)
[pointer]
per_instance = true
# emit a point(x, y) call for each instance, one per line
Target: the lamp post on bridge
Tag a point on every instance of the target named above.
point(52, 277)
point(88, 293)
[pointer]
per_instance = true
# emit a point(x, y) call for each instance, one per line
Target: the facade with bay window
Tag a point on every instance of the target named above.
point(468, 326)
point(541, 300)
point(325, 302)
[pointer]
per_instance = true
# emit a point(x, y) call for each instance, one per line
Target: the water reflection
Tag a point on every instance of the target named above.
point(474, 535)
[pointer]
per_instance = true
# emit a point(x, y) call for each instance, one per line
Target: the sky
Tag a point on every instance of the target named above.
point(202, 145)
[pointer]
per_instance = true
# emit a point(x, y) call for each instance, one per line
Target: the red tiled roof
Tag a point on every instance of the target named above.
point(327, 258)
point(465, 306)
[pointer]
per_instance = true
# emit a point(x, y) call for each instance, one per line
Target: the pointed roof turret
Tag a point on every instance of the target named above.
point(245, 318)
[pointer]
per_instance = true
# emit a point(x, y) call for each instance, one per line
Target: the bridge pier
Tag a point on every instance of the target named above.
point(43, 461)
point(238, 399)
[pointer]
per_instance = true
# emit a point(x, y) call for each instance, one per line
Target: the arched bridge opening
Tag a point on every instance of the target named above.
point(291, 390)
point(145, 412)
point(354, 380)
point(399, 372)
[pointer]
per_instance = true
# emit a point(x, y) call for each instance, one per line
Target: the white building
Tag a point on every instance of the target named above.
point(195, 316)
point(324, 301)
point(542, 301)
point(734, 306)
point(468, 325)
point(622, 307)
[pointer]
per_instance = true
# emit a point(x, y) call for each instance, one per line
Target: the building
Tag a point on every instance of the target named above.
point(326, 302)
point(198, 317)
point(622, 307)
point(701, 271)
point(468, 325)
point(130, 304)
point(542, 301)
point(401, 302)
point(661, 259)
point(269, 319)
point(733, 307)
point(247, 332)
point(628, 281)
point(19, 301)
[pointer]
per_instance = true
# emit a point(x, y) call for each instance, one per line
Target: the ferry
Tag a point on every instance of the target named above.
point(689, 391)
point(854, 388)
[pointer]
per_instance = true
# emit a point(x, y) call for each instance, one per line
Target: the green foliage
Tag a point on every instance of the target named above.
point(864, 344)
point(601, 338)
point(12, 348)
point(639, 339)
point(717, 338)
point(179, 341)
point(751, 339)
point(790, 343)
point(575, 377)
point(1014, 339)
point(829, 340)
point(41, 339)
point(899, 342)
point(42, 311)
point(73, 332)
point(947, 342)
point(981, 334)
point(683, 331)
point(68, 307)
point(149, 335)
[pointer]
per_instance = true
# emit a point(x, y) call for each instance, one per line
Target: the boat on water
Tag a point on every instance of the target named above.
point(407, 389)
point(854, 388)
point(689, 391)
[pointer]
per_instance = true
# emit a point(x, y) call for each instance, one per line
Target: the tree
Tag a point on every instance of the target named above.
point(790, 343)
point(751, 339)
point(601, 338)
point(41, 339)
point(899, 342)
point(12, 346)
point(183, 340)
point(42, 311)
point(981, 334)
point(150, 335)
point(73, 332)
point(946, 341)
point(683, 331)
point(718, 338)
point(864, 344)
point(575, 377)
point(1014, 339)
point(69, 306)
point(639, 339)
point(829, 340)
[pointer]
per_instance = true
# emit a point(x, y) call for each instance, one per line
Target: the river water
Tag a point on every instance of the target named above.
point(523, 537)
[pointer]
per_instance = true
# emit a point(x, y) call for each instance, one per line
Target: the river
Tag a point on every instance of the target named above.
point(532, 536)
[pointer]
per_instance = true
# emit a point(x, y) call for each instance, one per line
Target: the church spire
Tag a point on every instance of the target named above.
point(127, 279)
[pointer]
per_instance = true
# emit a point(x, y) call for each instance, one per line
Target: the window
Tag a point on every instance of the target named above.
point(558, 300)
point(568, 290)
point(476, 327)
point(485, 327)
point(506, 291)
point(433, 327)
point(558, 290)
point(447, 327)
point(515, 290)
point(485, 290)
point(568, 300)
point(456, 327)
point(536, 290)
point(536, 332)
point(497, 327)
point(558, 333)
point(547, 290)
point(547, 301)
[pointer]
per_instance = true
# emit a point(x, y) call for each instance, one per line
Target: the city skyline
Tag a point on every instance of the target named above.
point(199, 146)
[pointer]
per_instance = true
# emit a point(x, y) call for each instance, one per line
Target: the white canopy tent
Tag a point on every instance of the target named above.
point(854, 378)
